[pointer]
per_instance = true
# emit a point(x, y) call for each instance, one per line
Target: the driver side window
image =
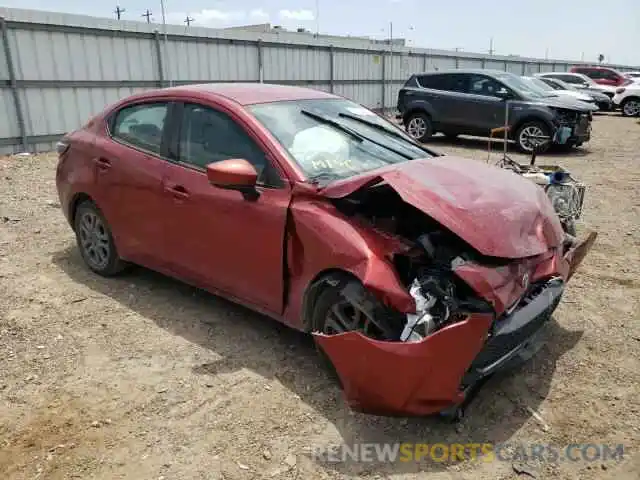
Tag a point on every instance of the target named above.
point(481, 85)
point(208, 135)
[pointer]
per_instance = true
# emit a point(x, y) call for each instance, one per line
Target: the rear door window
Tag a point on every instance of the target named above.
point(448, 82)
point(141, 125)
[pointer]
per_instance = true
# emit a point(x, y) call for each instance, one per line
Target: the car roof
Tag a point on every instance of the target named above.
point(482, 71)
point(250, 93)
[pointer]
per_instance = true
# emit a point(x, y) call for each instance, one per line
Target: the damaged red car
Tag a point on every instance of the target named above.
point(419, 274)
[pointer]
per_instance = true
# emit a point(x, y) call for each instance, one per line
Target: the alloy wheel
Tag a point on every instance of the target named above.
point(416, 127)
point(528, 136)
point(94, 240)
point(631, 108)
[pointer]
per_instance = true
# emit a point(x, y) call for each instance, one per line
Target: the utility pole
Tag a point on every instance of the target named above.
point(390, 60)
point(118, 11)
point(546, 54)
point(166, 41)
point(188, 20)
point(582, 57)
point(491, 46)
point(317, 17)
point(148, 15)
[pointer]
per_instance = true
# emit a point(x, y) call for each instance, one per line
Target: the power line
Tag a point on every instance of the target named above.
point(119, 11)
point(148, 15)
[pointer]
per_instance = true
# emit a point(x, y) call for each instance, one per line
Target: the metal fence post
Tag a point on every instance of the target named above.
point(383, 55)
point(331, 68)
point(424, 63)
point(260, 63)
point(156, 36)
point(13, 84)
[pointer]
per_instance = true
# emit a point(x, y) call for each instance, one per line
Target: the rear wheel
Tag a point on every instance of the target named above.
point(527, 137)
point(419, 126)
point(630, 107)
point(95, 241)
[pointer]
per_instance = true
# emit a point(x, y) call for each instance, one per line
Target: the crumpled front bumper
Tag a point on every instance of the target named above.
point(439, 371)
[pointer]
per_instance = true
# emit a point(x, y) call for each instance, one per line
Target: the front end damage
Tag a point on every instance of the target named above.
point(474, 314)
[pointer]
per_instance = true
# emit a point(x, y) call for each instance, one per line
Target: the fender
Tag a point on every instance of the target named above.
point(314, 227)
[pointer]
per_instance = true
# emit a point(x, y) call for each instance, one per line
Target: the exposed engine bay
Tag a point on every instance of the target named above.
point(425, 268)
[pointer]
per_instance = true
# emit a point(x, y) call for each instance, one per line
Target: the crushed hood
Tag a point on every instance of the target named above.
point(496, 211)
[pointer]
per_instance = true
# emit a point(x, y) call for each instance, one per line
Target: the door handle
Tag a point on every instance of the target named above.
point(102, 163)
point(178, 191)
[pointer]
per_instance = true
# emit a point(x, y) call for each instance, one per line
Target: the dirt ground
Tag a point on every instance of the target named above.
point(142, 377)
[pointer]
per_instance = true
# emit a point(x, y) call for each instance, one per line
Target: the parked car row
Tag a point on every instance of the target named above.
point(474, 102)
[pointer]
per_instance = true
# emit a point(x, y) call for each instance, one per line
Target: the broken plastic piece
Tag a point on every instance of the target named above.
point(421, 317)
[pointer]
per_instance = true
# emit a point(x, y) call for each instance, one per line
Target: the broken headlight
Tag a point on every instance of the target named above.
point(440, 301)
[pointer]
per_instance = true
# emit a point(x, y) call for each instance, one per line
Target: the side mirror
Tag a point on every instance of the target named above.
point(503, 93)
point(234, 174)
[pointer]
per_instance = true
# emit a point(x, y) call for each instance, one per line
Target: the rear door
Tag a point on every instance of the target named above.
point(444, 93)
point(217, 238)
point(130, 168)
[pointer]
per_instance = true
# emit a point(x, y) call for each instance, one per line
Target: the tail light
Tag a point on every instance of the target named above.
point(620, 90)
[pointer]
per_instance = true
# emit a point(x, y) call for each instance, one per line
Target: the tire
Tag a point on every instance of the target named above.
point(331, 298)
point(630, 107)
point(419, 126)
point(532, 127)
point(95, 241)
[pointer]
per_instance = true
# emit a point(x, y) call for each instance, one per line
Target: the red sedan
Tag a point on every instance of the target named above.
point(418, 274)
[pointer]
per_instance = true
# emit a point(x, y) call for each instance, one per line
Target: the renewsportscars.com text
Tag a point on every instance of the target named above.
point(459, 452)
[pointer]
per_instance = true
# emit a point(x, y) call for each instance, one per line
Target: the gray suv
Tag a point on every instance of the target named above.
point(473, 102)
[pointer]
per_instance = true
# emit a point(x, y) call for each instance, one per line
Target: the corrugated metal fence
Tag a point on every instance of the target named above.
point(57, 70)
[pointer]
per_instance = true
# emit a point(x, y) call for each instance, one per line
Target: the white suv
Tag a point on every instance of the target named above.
point(628, 100)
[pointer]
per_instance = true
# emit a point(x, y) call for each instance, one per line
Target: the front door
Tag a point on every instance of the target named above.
point(217, 238)
point(485, 110)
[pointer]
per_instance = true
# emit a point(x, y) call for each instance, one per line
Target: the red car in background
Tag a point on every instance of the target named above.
point(418, 274)
point(603, 75)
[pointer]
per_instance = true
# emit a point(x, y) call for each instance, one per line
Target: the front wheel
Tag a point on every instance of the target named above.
point(528, 137)
point(630, 107)
point(95, 241)
point(419, 126)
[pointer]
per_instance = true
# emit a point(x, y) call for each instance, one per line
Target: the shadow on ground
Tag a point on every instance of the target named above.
point(497, 147)
point(244, 339)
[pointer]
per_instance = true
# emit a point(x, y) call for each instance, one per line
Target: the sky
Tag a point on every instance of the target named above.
point(569, 29)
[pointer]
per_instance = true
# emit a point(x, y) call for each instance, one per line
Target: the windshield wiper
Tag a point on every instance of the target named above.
point(381, 128)
point(321, 118)
point(375, 125)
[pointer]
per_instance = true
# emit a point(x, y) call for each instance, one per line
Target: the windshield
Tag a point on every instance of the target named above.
point(333, 138)
point(536, 82)
point(565, 85)
point(522, 86)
